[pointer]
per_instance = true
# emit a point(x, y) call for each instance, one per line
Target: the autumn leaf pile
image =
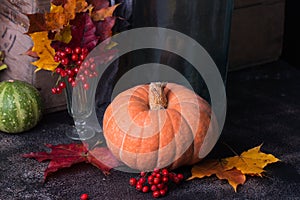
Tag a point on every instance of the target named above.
point(72, 23)
point(234, 169)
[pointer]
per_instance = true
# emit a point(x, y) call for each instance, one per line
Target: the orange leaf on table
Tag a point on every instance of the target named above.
point(66, 155)
point(211, 167)
point(251, 162)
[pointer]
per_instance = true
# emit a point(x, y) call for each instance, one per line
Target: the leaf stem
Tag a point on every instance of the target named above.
point(230, 148)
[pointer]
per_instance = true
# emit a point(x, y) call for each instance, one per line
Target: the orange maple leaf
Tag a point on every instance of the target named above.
point(211, 167)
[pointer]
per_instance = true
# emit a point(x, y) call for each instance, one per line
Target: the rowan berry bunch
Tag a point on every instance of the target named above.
point(71, 60)
point(157, 182)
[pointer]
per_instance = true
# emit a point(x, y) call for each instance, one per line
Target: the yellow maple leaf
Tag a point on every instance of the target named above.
point(251, 162)
point(43, 49)
point(104, 12)
point(211, 167)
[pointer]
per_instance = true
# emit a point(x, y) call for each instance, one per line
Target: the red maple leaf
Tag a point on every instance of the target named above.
point(66, 155)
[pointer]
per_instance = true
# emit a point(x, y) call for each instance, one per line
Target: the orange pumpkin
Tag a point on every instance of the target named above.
point(159, 125)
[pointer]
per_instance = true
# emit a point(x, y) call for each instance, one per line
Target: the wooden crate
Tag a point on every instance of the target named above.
point(256, 32)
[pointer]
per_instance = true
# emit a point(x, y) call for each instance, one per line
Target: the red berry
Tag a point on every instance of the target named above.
point(74, 57)
point(68, 50)
point(91, 60)
point(56, 58)
point(153, 188)
point(160, 186)
point(95, 74)
point(53, 90)
point(86, 72)
point(165, 172)
point(158, 175)
point(79, 62)
point(142, 180)
point(156, 194)
point(180, 176)
point(70, 72)
point(83, 78)
point(74, 83)
point(165, 179)
point(162, 192)
point(145, 189)
point(156, 170)
point(156, 181)
point(86, 86)
point(176, 180)
point(70, 79)
point(58, 53)
point(84, 50)
point(63, 73)
point(84, 196)
point(171, 176)
point(82, 56)
point(150, 178)
point(76, 70)
point(139, 186)
point(143, 173)
point(132, 181)
point(93, 66)
point(65, 61)
point(86, 64)
point(62, 85)
point(58, 70)
point(77, 50)
point(58, 90)
point(62, 54)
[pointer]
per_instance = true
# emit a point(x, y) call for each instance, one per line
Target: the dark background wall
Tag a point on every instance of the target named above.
point(291, 42)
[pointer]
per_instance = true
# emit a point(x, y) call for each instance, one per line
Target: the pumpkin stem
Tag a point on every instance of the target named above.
point(157, 97)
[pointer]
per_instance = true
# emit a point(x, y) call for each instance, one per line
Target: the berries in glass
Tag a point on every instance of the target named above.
point(71, 60)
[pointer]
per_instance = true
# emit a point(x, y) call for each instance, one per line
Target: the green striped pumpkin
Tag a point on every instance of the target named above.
point(20, 106)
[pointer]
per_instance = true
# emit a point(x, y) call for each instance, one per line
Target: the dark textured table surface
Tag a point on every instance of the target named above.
point(263, 107)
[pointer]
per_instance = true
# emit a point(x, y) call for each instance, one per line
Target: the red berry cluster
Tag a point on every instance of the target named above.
point(70, 62)
point(157, 182)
